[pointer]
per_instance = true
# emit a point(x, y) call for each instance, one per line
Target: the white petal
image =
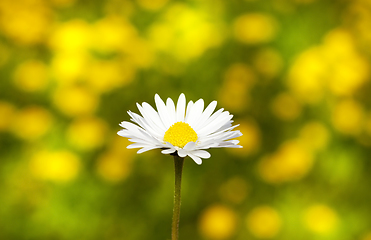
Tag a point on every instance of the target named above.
point(182, 153)
point(150, 128)
point(215, 125)
point(190, 146)
point(146, 149)
point(201, 154)
point(168, 151)
point(137, 145)
point(162, 111)
point(189, 108)
point(211, 118)
point(195, 158)
point(171, 110)
point(180, 108)
point(195, 113)
point(205, 115)
point(150, 114)
point(138, 132)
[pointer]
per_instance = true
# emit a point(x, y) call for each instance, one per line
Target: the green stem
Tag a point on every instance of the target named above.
point(178, 164)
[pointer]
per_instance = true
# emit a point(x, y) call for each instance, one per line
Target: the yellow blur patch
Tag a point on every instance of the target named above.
point(17, 17)
point(321, 219)
point(234, 190)
point(314, 135)
point(218, 222)
point(105, 76)
point(87, 133)
point(71, 37)
point(255, 28)
point(67, 68)
point(32, 123)
point(292, 161)
point(59, 166)
point(264, 222)
point(113, 33)
point(234, 93)
point(348, 70)
point(335, 65)
point(286, 107)
point(348, 116)
point(114, 167)
point(307, 76)
point(7, 113)
point(31, 76)
point(185, 33)
point(75, 101)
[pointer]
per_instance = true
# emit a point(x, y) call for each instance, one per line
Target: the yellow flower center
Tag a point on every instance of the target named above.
point(179, 134)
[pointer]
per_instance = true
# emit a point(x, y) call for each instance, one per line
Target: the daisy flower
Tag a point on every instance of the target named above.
point(182, 130)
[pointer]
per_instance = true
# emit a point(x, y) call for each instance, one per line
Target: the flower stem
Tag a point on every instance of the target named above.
point(178, 164)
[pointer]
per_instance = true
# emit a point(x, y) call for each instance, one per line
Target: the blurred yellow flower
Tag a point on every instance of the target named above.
point(348, 117)
point(185, 33)
point(16, 17)
point(113, 33)
point(113, 167)
point(71, 37)
point(234, 190)
point(314, 135)
point(31, 76)
point(32, 122)
point(104, 76)
point(335, 64)
point(292, 161)
point(75, 101)
point(347, 69)
point(7, 112)
point(321, 219)
point(255, 28)
point(264, 222)
point(307, 74)
point(58, 166)
point(238, 80)
point(67, 68)
point(87, 133)
point(286, 107)
point(218, 222)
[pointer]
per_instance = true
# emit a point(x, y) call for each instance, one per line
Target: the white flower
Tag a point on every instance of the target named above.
point(186, 130)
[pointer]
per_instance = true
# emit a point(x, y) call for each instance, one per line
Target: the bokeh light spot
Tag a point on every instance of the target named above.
point(32, 122)
point(255, 28)
point(264, 222)
point(218, 222)
point(321, 219)
point(58, 166)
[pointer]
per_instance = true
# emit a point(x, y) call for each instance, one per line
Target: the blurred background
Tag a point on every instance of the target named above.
point(295, 74)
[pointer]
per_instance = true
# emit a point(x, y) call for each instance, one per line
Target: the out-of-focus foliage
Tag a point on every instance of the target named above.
point(295, 73)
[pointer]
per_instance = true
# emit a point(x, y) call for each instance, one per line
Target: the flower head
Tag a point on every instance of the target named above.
point(186, 130)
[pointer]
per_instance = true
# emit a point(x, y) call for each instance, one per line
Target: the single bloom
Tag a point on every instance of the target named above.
point(185, 130)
